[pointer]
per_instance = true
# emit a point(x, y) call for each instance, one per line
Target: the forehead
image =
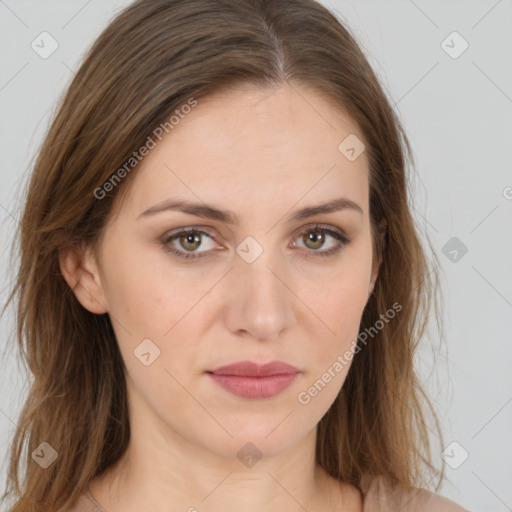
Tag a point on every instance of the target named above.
point(278, 144)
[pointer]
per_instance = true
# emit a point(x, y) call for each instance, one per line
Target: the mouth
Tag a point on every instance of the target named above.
point(252, 380)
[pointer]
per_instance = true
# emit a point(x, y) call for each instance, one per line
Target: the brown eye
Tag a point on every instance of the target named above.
point(190, 241)
point(315, 238)
point(186, 242)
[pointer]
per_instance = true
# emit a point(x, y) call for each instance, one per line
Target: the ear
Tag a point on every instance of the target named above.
point(382, 228)
point(80, 270)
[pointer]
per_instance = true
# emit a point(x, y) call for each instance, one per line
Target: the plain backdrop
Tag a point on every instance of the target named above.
point(453, 92)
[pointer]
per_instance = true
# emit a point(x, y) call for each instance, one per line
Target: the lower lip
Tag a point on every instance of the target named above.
point(254, 387)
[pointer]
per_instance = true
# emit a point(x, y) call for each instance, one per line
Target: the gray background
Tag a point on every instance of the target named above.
point(458, 115)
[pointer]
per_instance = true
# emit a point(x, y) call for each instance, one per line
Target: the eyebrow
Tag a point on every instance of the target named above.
point(229, 217)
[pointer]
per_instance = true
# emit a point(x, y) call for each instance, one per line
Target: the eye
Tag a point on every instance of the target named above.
point(185, 242)
point(189, 239)
point(315, 237)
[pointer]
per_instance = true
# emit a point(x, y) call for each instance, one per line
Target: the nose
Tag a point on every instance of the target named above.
point(260, 298)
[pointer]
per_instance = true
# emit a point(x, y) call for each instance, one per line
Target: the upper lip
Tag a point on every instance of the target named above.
point(253, 369)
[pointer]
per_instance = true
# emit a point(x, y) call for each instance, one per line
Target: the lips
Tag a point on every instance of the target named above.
point(251, 369)
point(251, 380)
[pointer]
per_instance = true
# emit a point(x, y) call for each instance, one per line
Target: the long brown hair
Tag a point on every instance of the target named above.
point(152, 59)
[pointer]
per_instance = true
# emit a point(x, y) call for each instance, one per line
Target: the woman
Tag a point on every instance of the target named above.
point(221, 286)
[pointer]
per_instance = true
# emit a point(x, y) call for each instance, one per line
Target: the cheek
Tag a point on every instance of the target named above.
point(338, 300)
point(330, 356)
point(154, 315)
point(149, 297)
point(145, 294)
point(341, 312)
point(340, 296)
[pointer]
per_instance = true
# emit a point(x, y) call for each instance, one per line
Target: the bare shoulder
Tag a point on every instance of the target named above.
point(438, 503)
point(380, 496)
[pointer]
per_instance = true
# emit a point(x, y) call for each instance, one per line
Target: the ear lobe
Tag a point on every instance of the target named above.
point(79, 268)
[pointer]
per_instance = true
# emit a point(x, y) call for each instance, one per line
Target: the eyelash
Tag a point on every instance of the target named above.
point(342, 239)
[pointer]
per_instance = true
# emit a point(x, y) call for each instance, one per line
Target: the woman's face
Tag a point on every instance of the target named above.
point(265, 285)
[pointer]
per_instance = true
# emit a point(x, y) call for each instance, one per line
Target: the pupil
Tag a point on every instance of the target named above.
point(191, 239)
point(316, 238)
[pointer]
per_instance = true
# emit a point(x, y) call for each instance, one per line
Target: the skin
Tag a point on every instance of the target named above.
point(262, 154)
